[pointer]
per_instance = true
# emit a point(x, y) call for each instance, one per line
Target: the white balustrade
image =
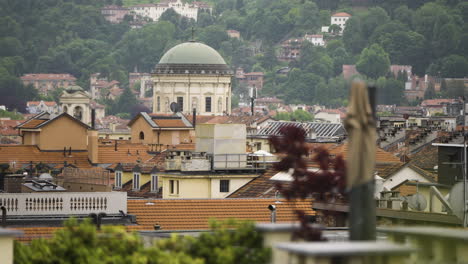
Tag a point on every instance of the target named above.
point(66, 203)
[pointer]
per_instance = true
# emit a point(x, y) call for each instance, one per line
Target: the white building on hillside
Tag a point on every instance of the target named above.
point(340, 19)
point(154, 11)
point(317, 40)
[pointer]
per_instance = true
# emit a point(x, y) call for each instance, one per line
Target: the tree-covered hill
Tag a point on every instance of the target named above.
point(71, 36)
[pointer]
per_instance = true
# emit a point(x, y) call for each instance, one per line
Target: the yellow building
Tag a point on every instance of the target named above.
point(54, 133)
point(160, 130)
point(203, 184)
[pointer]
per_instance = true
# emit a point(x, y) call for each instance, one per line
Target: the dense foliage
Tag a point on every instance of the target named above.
point(228, 242)
point(72, 36)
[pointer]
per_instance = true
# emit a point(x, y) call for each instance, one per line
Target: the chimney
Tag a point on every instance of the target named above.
point(93, 146)
point(194, 118)
point(69, 151)
point(93, 118)
point(13, 183)
point(115, 146)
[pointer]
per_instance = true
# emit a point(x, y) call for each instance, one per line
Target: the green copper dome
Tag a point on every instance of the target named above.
point(192, 53)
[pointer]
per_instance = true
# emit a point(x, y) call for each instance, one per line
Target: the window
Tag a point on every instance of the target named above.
point(158, 103)
point(208, 104)
point(224, 186)
point(136, 181)
point(142, 135)
point(118, 179)
point(173, 186)
point(180, 103)
point(154, 183)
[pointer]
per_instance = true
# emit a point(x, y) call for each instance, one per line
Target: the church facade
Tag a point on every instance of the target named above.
point(194, 76)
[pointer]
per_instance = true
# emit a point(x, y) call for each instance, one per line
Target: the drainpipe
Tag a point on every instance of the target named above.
point(272, 209)
point(194, 123)
point(4, 214)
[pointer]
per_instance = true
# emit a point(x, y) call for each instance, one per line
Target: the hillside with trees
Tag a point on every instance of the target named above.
point(71, 36)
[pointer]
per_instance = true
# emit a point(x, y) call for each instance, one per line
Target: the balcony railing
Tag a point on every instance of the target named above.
point(66, 203)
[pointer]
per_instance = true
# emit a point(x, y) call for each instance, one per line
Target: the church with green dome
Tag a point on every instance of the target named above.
point(195, 76)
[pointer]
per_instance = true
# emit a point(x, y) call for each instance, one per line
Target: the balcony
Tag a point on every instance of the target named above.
point(67, 203)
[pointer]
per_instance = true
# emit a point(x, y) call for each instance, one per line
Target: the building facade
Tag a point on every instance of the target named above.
point(114, 13)
point(316, 40)
point(193, 76)
point(46, 82)
point(154, 11)
point(340, 19)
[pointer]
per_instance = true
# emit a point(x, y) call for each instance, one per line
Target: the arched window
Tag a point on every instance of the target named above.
point(65, 109)
point(142, 135)
point(78, 113)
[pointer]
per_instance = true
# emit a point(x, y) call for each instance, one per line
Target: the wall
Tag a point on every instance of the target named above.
point(63, 132)
point(6, 247)
point(193, 88)
point(31, 138)
point(402, 175)
point(141, 125)
point(188, 187)
point(234, 185)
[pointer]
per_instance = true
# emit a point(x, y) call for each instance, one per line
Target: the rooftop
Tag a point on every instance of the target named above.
point(192, 214)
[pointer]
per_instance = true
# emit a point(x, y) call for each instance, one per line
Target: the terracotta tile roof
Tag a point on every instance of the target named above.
point(48, 76)
point(386, 170)
point(313, 36)
point(23, 154)
point(427, 158)
point(381, 155)
point(126, 153)
point(260, 187)
point(438, 102)
point(7, 127)
point(33, 123)
point(169, 123)
point(30, 233)
point(341, 14)
point(48, 103)
point(191, 214)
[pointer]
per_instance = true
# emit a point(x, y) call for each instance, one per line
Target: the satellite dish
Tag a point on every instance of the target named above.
point(456, 200)
point(417, 202)
point(174, 107)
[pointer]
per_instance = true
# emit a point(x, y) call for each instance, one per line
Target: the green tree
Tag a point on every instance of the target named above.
point(353, 37)
point(126, 102)
point(302, 116)
point(456, 89)
point(81, 243)
point(454, 66)
point(373, 62)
